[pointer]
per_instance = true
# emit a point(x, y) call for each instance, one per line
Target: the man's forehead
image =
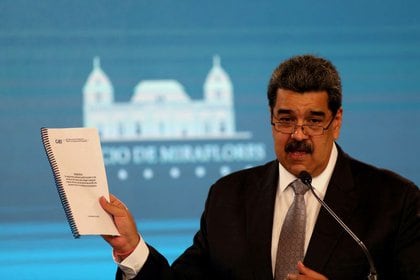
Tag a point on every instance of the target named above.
point(308, 103)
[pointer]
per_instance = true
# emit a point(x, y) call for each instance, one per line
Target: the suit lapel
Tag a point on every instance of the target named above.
point(342, 199)
point(259, 212)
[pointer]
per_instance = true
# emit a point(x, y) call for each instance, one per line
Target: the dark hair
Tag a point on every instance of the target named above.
point(306, 73)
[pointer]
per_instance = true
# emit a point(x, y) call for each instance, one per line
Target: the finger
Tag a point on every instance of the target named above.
point(292, 276)
point(114, 207)
point(107, 238)
point(309, 272)
point(115, 201)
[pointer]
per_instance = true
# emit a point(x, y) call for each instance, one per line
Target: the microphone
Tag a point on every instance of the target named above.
point(306, 178)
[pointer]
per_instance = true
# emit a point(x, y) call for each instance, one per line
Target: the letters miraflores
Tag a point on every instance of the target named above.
point(183, 153)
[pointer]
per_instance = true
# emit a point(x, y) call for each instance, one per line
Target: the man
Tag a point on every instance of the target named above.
point(241, 227)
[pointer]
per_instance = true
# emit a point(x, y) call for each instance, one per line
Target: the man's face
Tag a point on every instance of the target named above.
point(297, 151)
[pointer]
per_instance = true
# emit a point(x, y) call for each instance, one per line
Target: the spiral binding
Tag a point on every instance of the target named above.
point(59, 182)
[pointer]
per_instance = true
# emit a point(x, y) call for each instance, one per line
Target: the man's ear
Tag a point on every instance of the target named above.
point(338, 120)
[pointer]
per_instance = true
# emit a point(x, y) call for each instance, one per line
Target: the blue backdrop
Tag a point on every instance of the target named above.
point(46, 54)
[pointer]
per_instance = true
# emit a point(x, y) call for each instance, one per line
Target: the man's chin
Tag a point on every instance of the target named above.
point(296, 169)
point(296, 162)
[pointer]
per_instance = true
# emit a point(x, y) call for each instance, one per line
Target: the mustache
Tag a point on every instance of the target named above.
point(298, 146)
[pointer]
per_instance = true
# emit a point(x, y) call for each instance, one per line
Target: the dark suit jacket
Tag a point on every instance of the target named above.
point(234, 240)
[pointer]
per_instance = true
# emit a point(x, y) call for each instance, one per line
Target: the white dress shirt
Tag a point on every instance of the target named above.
point(132, 264)
point(284, 198)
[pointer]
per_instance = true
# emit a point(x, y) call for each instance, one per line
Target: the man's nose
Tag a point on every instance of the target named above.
point(299, 133)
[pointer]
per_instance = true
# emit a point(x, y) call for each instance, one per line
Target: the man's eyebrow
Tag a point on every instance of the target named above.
point(318, 113)
point(284, 111)
point(312, 113)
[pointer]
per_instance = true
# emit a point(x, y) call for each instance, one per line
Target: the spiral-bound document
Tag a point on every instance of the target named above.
point(76, 160)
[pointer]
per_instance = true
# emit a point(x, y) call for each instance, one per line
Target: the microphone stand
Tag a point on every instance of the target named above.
point(307, 179)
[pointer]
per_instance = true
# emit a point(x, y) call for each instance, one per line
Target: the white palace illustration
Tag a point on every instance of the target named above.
point(161, 109)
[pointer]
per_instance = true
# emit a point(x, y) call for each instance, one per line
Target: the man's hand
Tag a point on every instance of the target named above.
point(129, 238)
point(306, 274)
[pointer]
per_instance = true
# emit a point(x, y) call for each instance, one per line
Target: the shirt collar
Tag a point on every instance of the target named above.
point(319, 182)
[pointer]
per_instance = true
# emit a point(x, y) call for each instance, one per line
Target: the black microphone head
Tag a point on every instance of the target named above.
point(305, 177)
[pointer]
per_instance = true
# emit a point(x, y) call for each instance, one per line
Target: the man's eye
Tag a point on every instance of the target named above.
point(286, 120)
point(314, 121)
